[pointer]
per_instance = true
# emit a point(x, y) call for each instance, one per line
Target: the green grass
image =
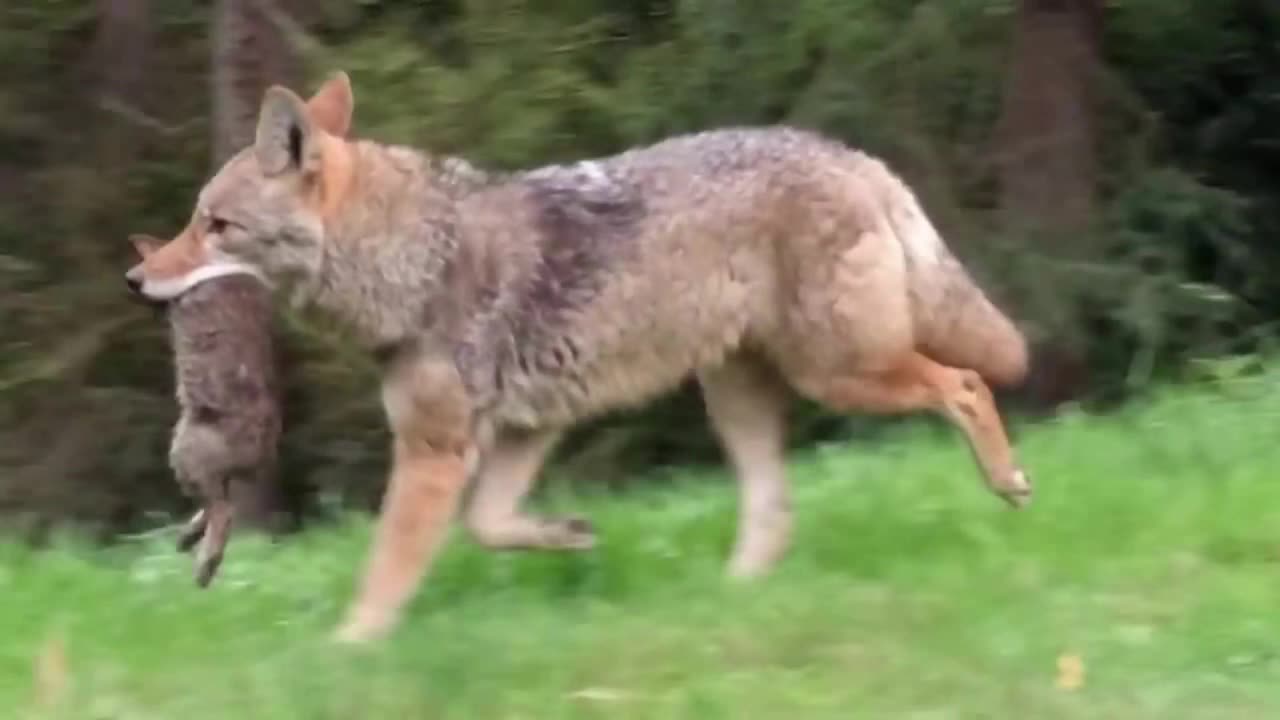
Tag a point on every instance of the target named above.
point(1151, 552)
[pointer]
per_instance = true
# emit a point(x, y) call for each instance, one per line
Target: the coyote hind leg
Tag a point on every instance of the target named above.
point(506, 474)
point(746, 403)
point(960, 396)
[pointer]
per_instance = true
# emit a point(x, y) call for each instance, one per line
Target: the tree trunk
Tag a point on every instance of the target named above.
point(1047, 157)
point(115, 73)
point(120, 48)
point(1048, 119)
point(249, 54)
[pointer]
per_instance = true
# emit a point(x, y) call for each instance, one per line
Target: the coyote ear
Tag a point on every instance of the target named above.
point(286, 138)
point(145, 244)
point(331, 106)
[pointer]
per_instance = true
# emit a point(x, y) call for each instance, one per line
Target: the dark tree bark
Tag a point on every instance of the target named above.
point(1047, 155)
point(114, 72)
point(250, 52)
point(1048, 120)
point(118, 57)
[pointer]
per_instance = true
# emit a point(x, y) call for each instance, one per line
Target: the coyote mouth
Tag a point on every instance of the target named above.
point(163, 291)
point(159, 306)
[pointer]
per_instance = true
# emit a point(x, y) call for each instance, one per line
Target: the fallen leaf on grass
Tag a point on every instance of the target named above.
point(52, 675)
point(598, 695)
point(1070, 672)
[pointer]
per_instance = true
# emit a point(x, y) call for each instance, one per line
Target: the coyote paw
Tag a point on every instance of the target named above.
point(569, 533)
point(362, 628)
point(749, 564)
point(1016, 491)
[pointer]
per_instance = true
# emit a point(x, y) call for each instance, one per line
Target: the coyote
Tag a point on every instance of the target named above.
point(506, 307)
point(224, 444)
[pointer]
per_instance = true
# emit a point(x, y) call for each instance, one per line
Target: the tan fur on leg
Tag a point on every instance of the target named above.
point(746, 403)
point(507, 473)
point(430, 416)
point(420, 501)
point(918, 383)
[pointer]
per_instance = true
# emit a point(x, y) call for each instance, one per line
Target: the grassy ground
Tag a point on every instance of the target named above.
point(1144, 582)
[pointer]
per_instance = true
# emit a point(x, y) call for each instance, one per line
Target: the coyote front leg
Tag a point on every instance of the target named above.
point(428, 412)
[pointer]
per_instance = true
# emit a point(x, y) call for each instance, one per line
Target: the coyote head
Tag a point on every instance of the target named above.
point(263, 213)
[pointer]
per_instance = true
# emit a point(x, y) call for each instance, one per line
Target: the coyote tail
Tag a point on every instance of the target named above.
point(955, 323)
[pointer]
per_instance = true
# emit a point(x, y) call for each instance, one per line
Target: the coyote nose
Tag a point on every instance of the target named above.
point(134, 280)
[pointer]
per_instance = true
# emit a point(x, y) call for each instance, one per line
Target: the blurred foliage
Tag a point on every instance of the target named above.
point(1185, 265)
